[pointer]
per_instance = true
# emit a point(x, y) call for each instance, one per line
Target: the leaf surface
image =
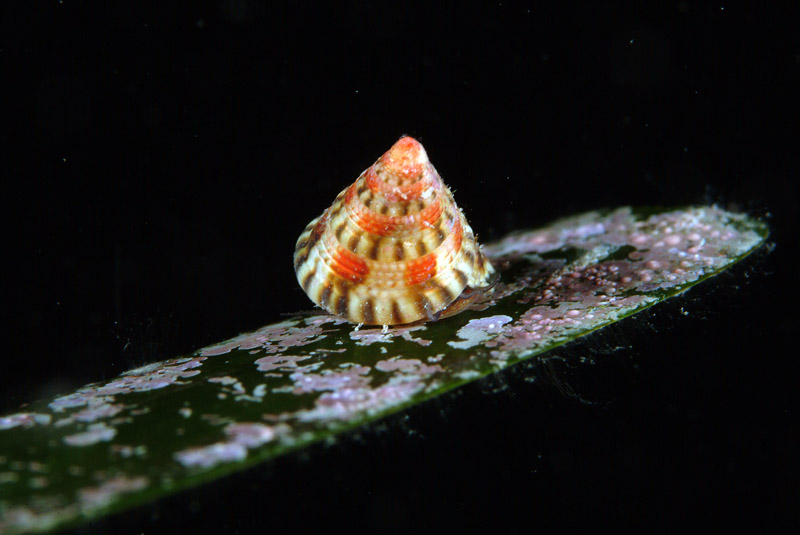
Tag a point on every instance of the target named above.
point(176, 423)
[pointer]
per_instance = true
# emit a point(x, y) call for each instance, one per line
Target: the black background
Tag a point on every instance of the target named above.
point(159, 164)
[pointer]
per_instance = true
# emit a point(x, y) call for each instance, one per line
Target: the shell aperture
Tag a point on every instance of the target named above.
point(393, 248)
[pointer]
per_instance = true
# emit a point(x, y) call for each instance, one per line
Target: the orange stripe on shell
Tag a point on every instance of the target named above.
point(386, 225)
point(421, 269)
point(348, 266)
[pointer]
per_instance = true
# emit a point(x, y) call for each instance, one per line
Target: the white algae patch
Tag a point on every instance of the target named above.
point(241, 437)
point(94, 434)
point(24, 419)
point(477, 331)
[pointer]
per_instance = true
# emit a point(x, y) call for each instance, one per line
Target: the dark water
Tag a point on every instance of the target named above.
point(160, 164)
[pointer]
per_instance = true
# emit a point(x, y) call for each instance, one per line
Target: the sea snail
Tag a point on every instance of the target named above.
point(393, 248)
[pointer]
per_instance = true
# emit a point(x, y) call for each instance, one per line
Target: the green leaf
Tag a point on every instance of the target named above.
point(173, 424)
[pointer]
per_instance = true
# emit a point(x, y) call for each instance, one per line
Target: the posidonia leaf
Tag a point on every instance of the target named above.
point(173, 424)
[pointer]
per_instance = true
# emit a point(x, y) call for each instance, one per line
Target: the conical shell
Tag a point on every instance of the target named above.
point(393, 247)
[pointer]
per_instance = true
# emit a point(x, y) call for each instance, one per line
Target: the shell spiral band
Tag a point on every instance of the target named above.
point(393, 247)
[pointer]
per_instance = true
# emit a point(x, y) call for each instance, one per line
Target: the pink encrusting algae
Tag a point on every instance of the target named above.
point(24, 419)
point(365, 337)
point(95, 433)
point(240, 438)
point(260, 394)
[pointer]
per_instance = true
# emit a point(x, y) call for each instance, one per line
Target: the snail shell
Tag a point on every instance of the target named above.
point(393, 247)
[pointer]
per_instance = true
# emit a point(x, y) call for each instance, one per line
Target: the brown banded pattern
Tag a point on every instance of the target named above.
point(393, 248)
